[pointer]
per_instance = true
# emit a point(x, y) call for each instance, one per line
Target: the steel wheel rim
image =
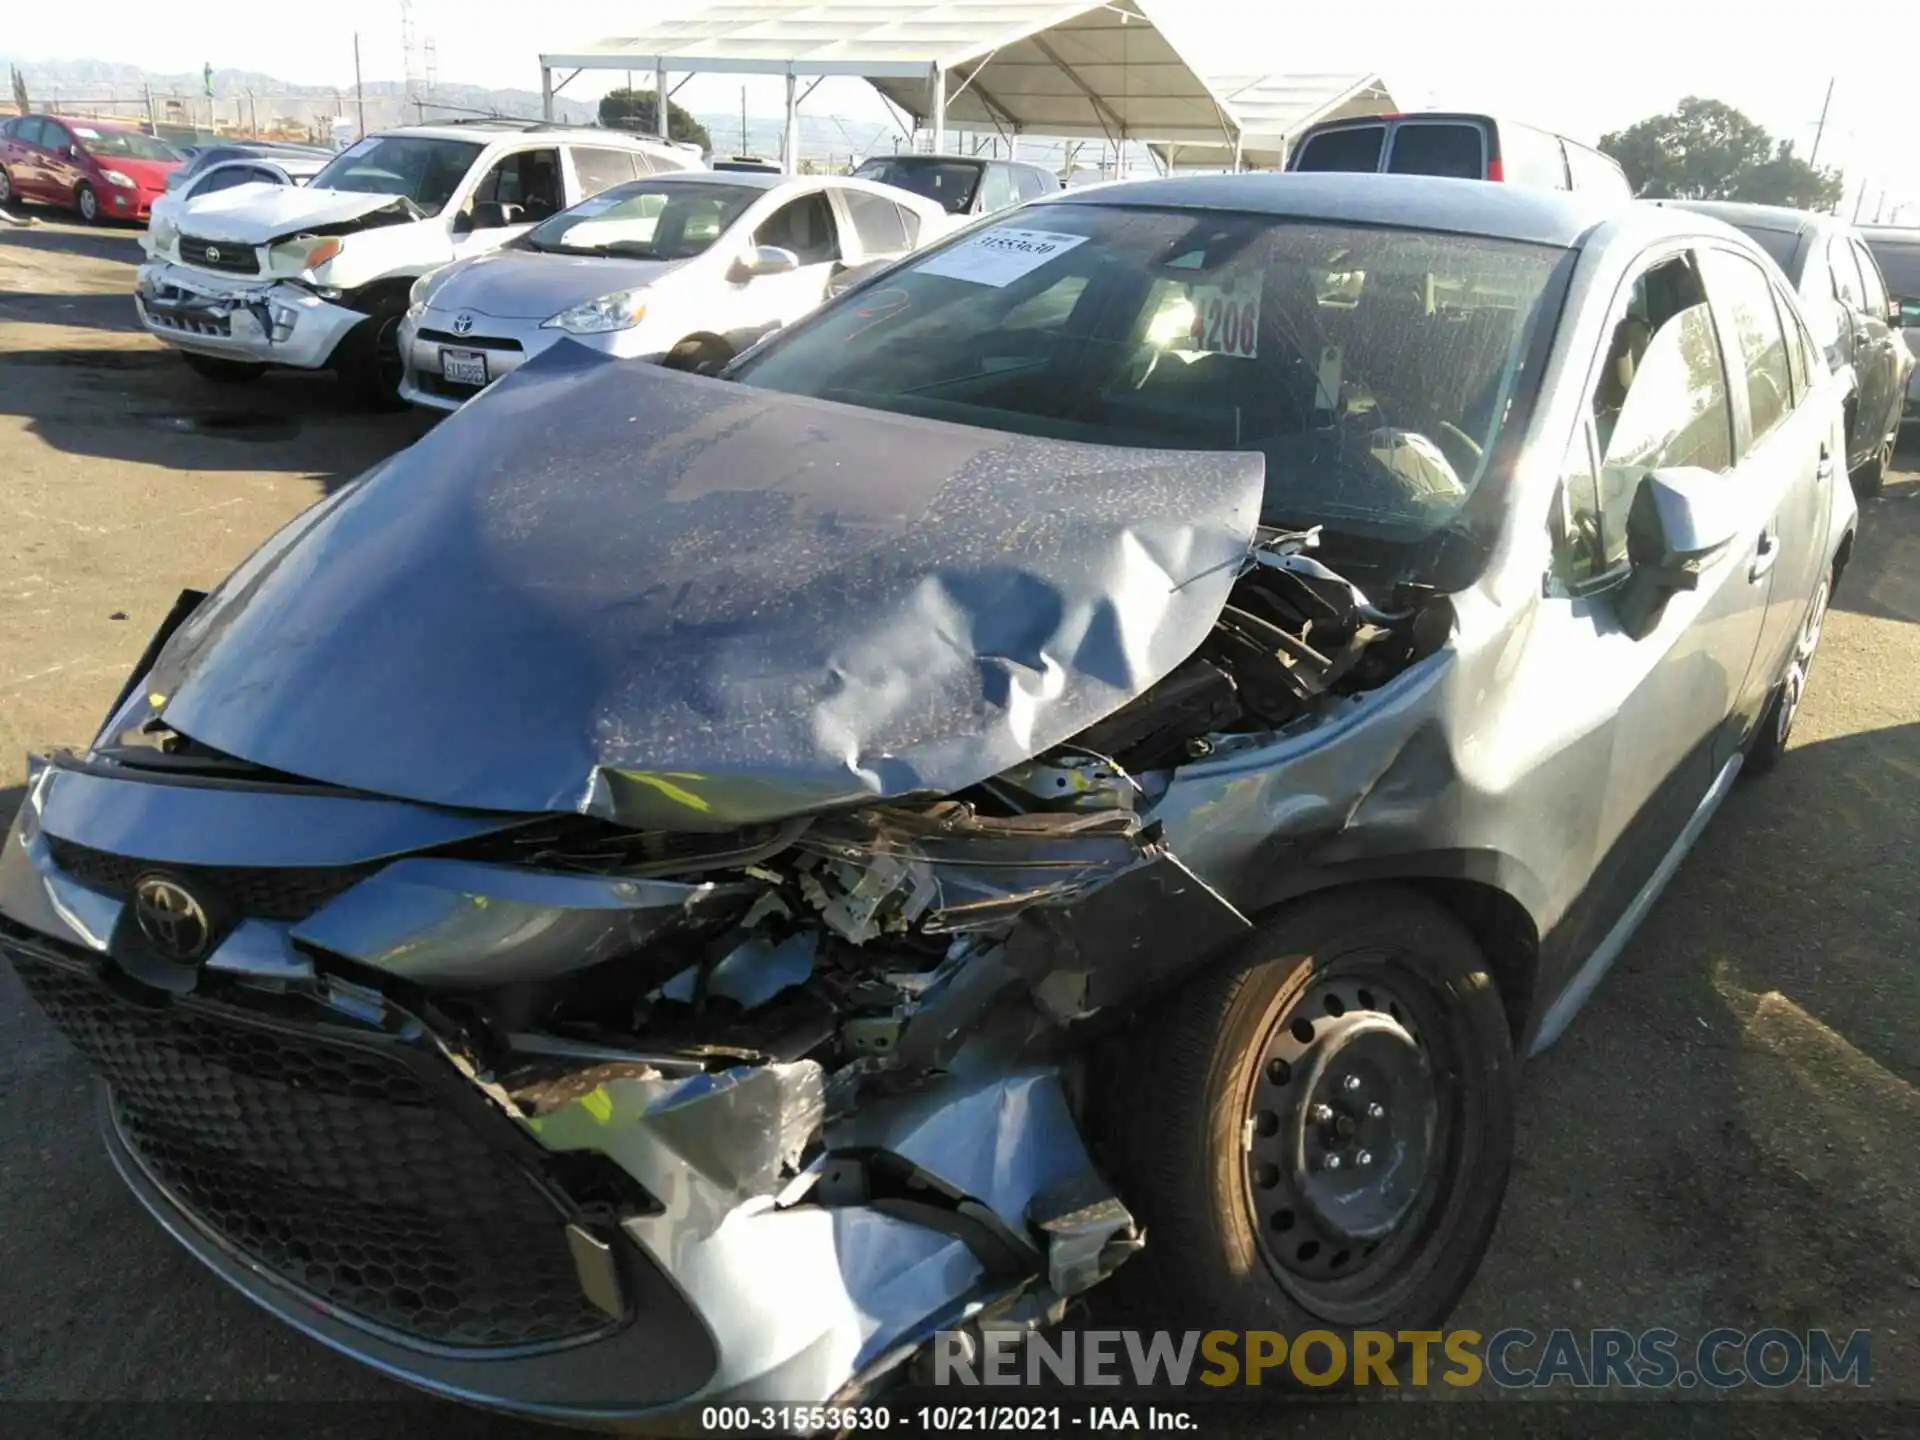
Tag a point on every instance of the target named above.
point(1334, 1230)
point(89, 205)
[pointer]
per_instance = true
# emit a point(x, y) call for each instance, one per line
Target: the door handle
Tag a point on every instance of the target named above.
point(1824, 470)
point(1765, 555)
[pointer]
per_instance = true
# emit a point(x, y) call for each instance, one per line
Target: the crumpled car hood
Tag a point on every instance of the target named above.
point(684, 603)
point(255, 214)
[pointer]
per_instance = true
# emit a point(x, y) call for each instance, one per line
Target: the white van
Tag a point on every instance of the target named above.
point(1468, 147)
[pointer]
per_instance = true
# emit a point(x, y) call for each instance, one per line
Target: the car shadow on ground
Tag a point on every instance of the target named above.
point(143, 405)
point(1883, 577)
point(55, 230)
point(87, 310)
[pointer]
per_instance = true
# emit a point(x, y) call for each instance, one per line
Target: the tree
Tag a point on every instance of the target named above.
point(1707, 150)
point(638, 110)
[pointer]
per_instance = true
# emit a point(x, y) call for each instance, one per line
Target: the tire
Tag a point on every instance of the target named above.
point(222, 372)
point(87, 203)
point(1871, 477)
point(369, 364)
point(702, 353)
point(1776, 727)
point(6, 188)
point(1408, 1049)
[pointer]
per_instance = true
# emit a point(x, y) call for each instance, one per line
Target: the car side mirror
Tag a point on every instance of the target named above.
point(74, 152)
point(487, 215)
point(764, 260)
point(1904, 314)
point(1680, 523)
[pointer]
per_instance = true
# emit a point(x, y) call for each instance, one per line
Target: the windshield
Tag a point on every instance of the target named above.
point(1375, 369)
point(647, 220)
point(124, 144)
point(949, 183)
point(425, 171)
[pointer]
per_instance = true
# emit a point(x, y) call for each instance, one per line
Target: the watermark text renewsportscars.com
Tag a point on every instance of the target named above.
point(1658, 1358)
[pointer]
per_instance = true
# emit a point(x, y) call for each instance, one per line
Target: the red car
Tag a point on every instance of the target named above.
point(106, 172)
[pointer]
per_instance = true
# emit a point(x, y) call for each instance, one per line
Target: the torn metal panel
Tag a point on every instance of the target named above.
point(1089, 1233)
point(1001, 1139)
point(685, 604)
point(732, 1134)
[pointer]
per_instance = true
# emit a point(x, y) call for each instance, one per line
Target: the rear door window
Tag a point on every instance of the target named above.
point(1427, 147)
point(1846, 276)
point(1532, 157)
point(876, 222)
point(1593, 171)
point(1875, 292)
point(600, 169)
point(1355, 147)
point(996, 190)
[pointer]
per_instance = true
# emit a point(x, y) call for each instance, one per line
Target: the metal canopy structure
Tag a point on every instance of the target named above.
point(1093, 70)
point(1268, 111)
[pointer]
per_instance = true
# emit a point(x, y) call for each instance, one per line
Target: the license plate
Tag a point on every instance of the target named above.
point(463, 367)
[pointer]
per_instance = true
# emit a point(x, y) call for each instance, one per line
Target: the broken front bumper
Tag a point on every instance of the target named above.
point(630, 1237)
point(247, 320)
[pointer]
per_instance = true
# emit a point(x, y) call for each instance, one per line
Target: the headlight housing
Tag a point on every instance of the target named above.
point(304, 252)
point(114, 177)
point(622, 310)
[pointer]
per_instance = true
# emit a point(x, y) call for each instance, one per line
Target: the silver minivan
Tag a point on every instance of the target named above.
point(1466, 147)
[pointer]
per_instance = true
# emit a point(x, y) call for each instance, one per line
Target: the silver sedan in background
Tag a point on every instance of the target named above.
point(709, 261)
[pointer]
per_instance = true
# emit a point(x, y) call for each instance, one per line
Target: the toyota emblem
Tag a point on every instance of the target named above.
point(174, 923)
point(213, 253)
point(463, 323)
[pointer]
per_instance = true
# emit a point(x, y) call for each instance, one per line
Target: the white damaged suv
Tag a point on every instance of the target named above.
point(316, 276)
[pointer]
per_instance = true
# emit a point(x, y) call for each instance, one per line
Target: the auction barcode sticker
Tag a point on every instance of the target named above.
point(1000, 256)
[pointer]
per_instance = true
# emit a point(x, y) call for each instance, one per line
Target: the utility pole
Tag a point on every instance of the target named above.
point(359, 92)
point(1821, 129)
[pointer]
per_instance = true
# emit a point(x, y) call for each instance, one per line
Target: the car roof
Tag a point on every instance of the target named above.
point(1746, 216)
point(1420, 202)
point(1890, 234)
point(485, 131)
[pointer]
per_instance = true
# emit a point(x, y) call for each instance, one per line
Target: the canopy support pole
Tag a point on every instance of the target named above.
point(660, 99)
point(938, 109)
point(790, 159)
point(546, 93)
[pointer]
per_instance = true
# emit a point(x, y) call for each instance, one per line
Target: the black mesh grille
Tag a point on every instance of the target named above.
point(331, 1163)
point(228, 256)
point(258, 893)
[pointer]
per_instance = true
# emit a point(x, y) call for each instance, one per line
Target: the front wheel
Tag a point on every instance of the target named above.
point(1317, 1136)
point(369, 365)
point(87, 203)
point(6, 187)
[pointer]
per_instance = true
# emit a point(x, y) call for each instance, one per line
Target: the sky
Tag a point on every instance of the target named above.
point(1578, 69)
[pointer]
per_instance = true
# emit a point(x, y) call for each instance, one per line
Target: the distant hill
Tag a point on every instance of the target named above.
point(252, 101)
point(248, 98)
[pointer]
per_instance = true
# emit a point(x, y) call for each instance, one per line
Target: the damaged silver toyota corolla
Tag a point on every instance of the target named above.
point(1101, 746)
